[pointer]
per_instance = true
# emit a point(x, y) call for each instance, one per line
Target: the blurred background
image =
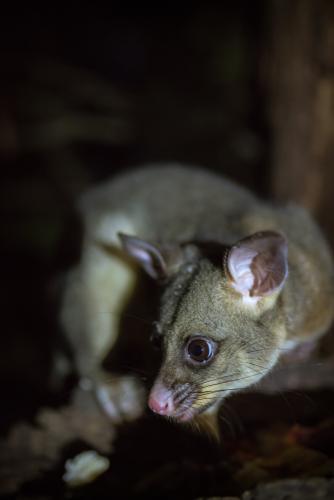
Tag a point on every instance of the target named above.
point(242, 88)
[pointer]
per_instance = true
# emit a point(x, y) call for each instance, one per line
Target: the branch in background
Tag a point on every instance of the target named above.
point(301, 84)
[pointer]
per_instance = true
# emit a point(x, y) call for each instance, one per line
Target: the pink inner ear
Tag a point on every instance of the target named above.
point(146, 254)
point(258, 264)
point(239, 266)
point(141, 255)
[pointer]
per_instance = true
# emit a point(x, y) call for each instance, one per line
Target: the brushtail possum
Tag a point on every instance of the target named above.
point(243, 280)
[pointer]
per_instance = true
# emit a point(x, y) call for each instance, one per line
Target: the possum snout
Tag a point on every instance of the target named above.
point(161, 400)
point(175, 402)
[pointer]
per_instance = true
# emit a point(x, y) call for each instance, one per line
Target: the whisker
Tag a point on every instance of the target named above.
point(231, 380)
point(181, 395)
point(283, 349)
point(228, 424)
point(234, 416)
point(217, 391)
point(255, 350)
point(211, 391)
point(257, 366)
point(214, 379)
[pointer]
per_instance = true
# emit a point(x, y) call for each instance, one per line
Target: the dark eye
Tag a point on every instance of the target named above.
point(199, 349)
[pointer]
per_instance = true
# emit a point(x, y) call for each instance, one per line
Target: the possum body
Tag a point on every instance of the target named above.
point(242, 279)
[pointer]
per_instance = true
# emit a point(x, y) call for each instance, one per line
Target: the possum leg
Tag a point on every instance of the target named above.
point(96, 294)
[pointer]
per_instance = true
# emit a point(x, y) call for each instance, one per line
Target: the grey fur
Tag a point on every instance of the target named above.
point(169, 206)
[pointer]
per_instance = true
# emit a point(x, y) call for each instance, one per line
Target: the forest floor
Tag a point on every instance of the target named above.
point(275, 441)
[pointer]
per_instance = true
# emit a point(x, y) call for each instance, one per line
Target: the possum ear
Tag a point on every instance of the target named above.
point(158, 262)
point(258, 264)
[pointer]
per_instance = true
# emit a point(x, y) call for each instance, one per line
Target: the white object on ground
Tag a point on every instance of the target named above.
point(84, 468)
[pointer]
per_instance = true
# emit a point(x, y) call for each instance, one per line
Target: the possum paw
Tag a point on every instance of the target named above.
point(120, 398)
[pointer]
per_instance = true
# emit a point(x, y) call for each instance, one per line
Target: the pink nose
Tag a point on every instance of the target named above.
point(161, 400)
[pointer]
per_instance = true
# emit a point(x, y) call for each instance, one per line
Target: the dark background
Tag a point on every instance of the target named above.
point(89, 94)
point(242, 88)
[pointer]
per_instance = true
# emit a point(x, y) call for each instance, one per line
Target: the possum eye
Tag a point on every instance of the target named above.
point(199, 350)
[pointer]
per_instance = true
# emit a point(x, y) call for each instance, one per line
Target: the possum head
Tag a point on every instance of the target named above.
point(220, 324)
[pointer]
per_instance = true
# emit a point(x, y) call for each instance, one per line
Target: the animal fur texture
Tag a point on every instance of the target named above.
point(243, 280)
